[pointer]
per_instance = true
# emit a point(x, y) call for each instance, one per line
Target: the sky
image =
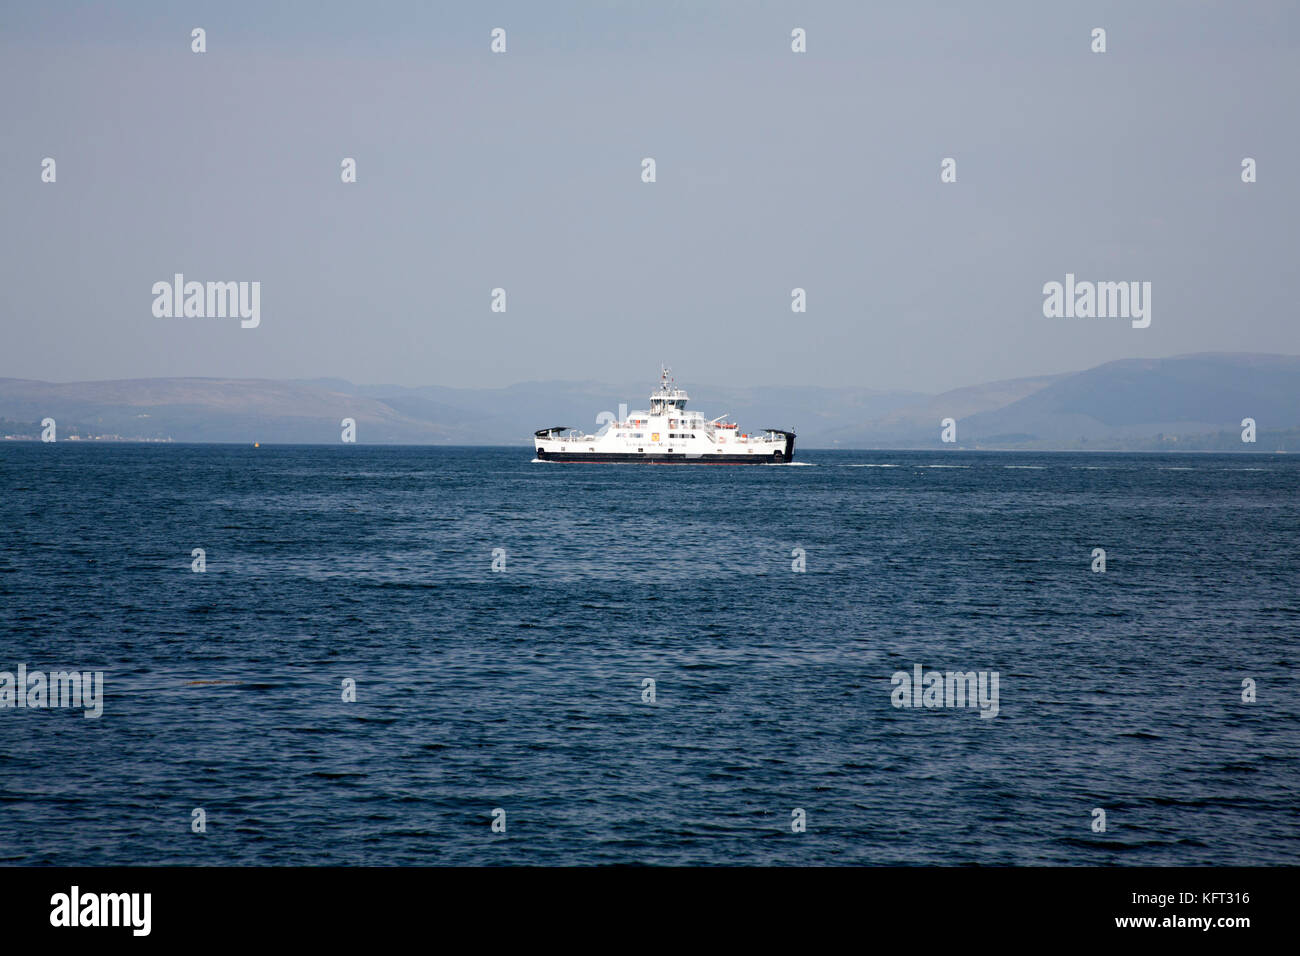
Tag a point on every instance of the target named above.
point(522, 170)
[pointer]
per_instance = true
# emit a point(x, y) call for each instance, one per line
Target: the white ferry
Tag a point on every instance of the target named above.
point(666, 434)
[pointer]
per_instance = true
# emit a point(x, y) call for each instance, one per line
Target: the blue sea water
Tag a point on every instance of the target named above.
point(521, 689)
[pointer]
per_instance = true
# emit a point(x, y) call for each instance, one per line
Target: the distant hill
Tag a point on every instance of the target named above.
point(509, 415)
point(917, 423)
point(1192, 402)
point(1143, 398)
point(211, 410)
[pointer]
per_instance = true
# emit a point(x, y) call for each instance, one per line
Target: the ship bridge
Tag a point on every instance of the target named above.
point(667, 398)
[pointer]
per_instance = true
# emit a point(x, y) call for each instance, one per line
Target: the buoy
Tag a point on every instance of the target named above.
point(257, 444)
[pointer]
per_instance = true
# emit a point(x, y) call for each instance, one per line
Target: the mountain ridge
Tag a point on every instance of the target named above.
point(1126, 403)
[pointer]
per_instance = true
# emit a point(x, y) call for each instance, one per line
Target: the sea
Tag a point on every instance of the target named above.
point(372, 655)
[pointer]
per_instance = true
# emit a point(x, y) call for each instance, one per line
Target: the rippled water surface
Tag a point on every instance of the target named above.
point(522, 689)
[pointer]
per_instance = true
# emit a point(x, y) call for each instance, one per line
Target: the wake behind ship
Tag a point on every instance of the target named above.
point(666, 434)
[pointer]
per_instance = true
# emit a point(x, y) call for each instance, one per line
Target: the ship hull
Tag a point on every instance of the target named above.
point(599, 457)
point(609, 458)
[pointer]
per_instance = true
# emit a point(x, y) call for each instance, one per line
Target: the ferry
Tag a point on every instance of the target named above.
point(666, 434)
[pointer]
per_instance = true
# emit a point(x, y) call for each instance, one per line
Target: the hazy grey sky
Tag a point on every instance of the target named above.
point(523, 171)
